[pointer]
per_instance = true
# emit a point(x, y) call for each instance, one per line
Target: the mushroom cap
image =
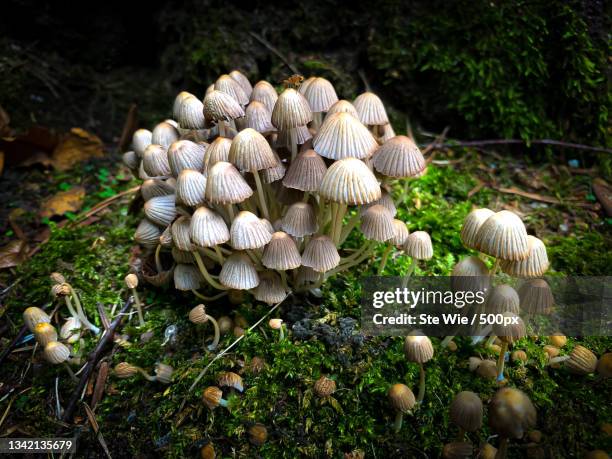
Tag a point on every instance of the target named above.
point(418, 347)
point(71, 330)
point(342, 106)
point(161, 210)
point(511, 332)
point(219, 106)
point(470, 274)
point(511, 413)
point(535, 265)
point(472, 223)
point(164, 134)
point(187, 277)
point(536, 297)
point(178, 100)
point(249, 232)
point(300, 220)
point(45, 333)
point(243, 81)
point(141, 139)
point(302, 135)
point(265, 93)
point(258, 434)
point(349, 181)
point(212, 396)
point(217, 151)
point(306, 274)
point(131, 280)
point(131, 160)
point(155, 187)
point(320, 94)
point(466, 411)
point(33, 316)
point(487, 369)
point(377, 223)
point(191, 188)
point(604, 365)
point(400, 233)
point(385, 200)
point(230, 379)
point(304, 86)
point(458, 450)
point(198, 315)
point(387, 134)
point(251, 152)
point(320, 254)
point(231, 87)
point(225, 185)
point(343, 136)
point(147, 233)
point(582, 361)
point(208, 228)
point(274, 173)
point(258, 117)
point(238, 272)
point(371, 109)
point(163, 373)
point(324, 386)
point(503, 235)
point(56, 352)
point(185, 154)
point(401, 398)
point(281, 253)
point(305, 172)
point(418, 245)
point(502, 298)
point(399, 157)
point(270, 289)
point(291, 110)
point(124, 370)
point(190, 114)
point(155, 161)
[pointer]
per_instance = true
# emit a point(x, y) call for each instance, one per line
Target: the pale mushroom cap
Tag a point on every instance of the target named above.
point(131, 280)
point(190, 113)
point(131, 160)
point(265, 93)
point(470, 275)
point(164, 134)
point(187, 277)
point(217, 151)
point(418, 348)
point(155, 187)
point(230, 379)
point(399, 157)
point(342, 106)
point(248, 232)
point(320, 254)
point(275, 173)
point(243, 81)
point(377, 223)
point(258, 117)
point(304, 86)
point(71, 330)
point(56, 352)
point(418, 245)
point(305, 172)
point(270, 289)
point(343, 136)
point(503, 235)
point(401, 398)
point(124, 370)
point(163, 373)
point(219, 106)
point(472, 223)
point(185, 154)
point(180, 233)
point(198, 315)
point(307, 274)
point(535, 265)
point(250, 151)
point(582, 361)
point(302, 135)
point(141, 139)
point(291, 110)
point(300, 220)
point(536, 296)
point(512, 329)
point(511, 413)
point(231, 87)
point(225, 185)
point(385, 200)
point(161, 210)
point(178, 100)
point(502, 298)
point(155, 161)
point(320, 94)
point(466, 411)
point(147, 233)
point(370, 109)
point(208, 228)
point(45, 333)
point(281, 253)
point(349, 181)
point(400, 234)
point(33, 316)
point(191, 188)
point(238, 272)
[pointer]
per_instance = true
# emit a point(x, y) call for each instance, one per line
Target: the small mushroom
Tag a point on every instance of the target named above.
point(487, 369)
point(226, 324)
point(33, 316)
point(581, 361)
point(324, 387)
point(457, 450)
point(73, 302)
point(57, 353)
point(213, 397)
point(208, 452)
point(131, 280)
point(258, 434)
point(231, 379)
point(198, 315)
point(163, 373)
point(487, 451)
point(124, 370)
point(466, 412)
point(511, 331)
point(518, 356)
point(71, 330)
point(418, 348)
point(45, 333)
point(511, 414)
point(558, 340)
point(402, 400)
point(604, 365)
point(277, 324)
point(255, 366)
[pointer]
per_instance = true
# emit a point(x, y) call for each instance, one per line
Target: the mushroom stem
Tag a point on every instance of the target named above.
point(158, 264)
point(222, 128)
point(262, 196)
point(212, 346)
point(281, 335)
point(346, 229)
point(399, 418)
point(70, 372)
point(306, 196)
point(230, 212)
point(209, 298)
point(447, 339)
point(502, 451)
point(81, 313)
point(500, 361)
point(205, 273)
point(73, 313)
point(283, 276)
point(317, 118)
point(421, 384)
point(219, 255)
point(461, 434)
point(559, 359)
point(365, 252)
point(138, 305)
point(337, 224)
point(293, 136)
point(383, 260)
point(146, 375)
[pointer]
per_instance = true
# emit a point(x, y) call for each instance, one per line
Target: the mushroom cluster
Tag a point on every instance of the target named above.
point(253, 190)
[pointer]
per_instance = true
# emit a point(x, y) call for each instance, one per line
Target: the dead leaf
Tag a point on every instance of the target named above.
point(76, 146)
point(34, 146)
point(603, 192)
point(62, 202)
point(13, 254)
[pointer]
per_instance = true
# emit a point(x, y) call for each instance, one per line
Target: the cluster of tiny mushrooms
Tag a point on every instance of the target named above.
point(251, 190)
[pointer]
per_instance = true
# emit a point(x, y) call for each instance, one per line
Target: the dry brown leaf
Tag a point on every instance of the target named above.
point(13, 254)
point(32, 147)
point(76, 146)
point(62, 202)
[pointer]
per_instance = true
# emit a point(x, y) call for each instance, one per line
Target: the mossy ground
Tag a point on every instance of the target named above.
point(144, 419)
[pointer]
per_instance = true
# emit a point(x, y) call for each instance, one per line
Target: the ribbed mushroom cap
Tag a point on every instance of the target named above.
point(306, 274)
point(387, 133)
point(155, 161)
point(287, 196)
point(229, 86)
point(418, 347)
point(349, 181)
point(300, 220)
point(343, 136)
point(502, 298)
point(33, 316)
point(399, 157)
point(238, 272)
point(225, 185)
point(230, 379)
point(370, 109)
point(141, 139)
point(185, 154)
point(243, 81)
point(250, 151)
point(385, 200)
point(535, 265)
point(305, 172)
point(275, 173)
point(178, 100)
point(604, 365)
point(147, 233)
point(56, 352)
point(164, 134)
point(131, 160)
point(161, 209)
point(291, 110)
point(536, 297)
point(511, 413)
point(401, 398)
point(503, 235)
point(304, 86)
point(187, 277)
point(320, 95)
point(265, 93)
point(342, 106)
point(142, 175)
point(377, 223)
point(320, 254)
point(400, 233)
point(165, 238)
point(511, 330)
point(324, 386)
point(302, 135)
point(258, 117)
point(270, 289)
point(281, 253)
point(418, 245)
point(155, 187)
point(470, 275)
point(219, 106)
point(217, 151)
point(191, 113)
point(191, 187)
point(466, 411)
point(208, 228)
point(472, 223)
point(45, 333)
point(212, 396)
point(582, 361)
point(248, 232)
point(180, 233)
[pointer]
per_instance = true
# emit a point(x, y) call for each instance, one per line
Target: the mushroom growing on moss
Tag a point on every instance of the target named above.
point(402, 400)
point(511, 415)
point(466, 412)
point(198, 315)
point(418, 348)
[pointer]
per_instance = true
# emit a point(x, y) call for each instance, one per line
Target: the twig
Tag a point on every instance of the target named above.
point(539, 197)
point(482, 143)
point(267, 44)
point(104, 204)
